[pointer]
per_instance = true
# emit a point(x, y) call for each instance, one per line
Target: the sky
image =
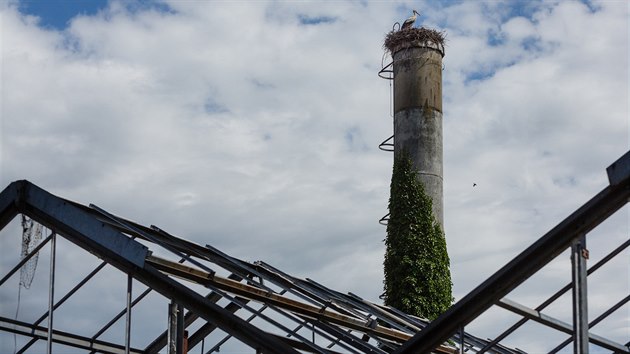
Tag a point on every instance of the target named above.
point(254, 126)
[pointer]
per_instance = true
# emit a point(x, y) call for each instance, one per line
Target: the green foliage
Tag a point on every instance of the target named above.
point(417, 269)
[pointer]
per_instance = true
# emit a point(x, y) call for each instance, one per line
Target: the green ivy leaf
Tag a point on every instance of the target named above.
point(417, 269)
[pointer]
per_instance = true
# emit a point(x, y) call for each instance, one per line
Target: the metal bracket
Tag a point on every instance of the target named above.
point(619, 171)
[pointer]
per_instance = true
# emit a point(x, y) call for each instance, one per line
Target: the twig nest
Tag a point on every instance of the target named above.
point(414, 37)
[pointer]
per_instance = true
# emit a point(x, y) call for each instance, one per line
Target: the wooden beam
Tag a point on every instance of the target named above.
point(267, 297)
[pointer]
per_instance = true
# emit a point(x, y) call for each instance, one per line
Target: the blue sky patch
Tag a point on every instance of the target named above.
point(211, 106)
point(262, 84)
point(532, 44)
point(485, 72)
point(317, 20)
point(354, 139)
point(56, 14)
point(143, 5)
point(591, 7)
point(516, 8)
point(479, 75)
point(349, 136)
point(566, 181)
point(495, 38)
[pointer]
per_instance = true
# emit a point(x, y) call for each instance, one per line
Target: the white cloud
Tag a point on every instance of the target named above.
point(241, 126)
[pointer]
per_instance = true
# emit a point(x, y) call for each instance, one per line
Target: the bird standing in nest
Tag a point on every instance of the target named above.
point(409, 22)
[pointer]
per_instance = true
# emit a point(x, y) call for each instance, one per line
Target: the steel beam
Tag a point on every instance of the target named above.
point(579, 255)
point(599, 318)
point(619, 171)
point(305, 311)
point(150, 237)
point(462, 342)
point(180, 329)
point(523, 266)
point(378, 311)
point(128, 319)
point(60, 302)
point(71, 222)
point(171, 348)
point(257, 294)
point(302, 344)
point(242, 302)
point(120, 314)
point(9, 200)
point(303, 347)
point(51, 291)
point(208, 328)
point(228, 322)
point(127, 255)
point(60, 337)
point(554, 297)
point(161, 341)
point(73, 290)
point(558, 325)
point(239, 268)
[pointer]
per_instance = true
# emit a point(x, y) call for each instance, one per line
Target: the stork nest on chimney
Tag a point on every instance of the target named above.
point(395, 40)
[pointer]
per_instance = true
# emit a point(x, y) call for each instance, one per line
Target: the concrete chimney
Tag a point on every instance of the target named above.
point(417, 73)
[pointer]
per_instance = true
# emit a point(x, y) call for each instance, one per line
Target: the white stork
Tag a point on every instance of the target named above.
point(409, 22)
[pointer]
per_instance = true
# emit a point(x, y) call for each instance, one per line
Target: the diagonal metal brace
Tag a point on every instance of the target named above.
point(558, 325)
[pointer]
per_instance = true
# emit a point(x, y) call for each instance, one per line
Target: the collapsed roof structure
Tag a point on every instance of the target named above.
point(215, 298)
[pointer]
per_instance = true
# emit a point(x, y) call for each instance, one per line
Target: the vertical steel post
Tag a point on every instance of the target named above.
point(579, 255)
point(51, 292)
point(462, 342)
point(128, 321)
point(172, 328)
point(180, 329)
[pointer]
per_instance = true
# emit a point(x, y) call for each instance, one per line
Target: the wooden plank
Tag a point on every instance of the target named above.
point(268, 297)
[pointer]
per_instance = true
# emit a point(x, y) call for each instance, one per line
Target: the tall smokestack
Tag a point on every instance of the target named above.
point(417, 73)
point(416, 265)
